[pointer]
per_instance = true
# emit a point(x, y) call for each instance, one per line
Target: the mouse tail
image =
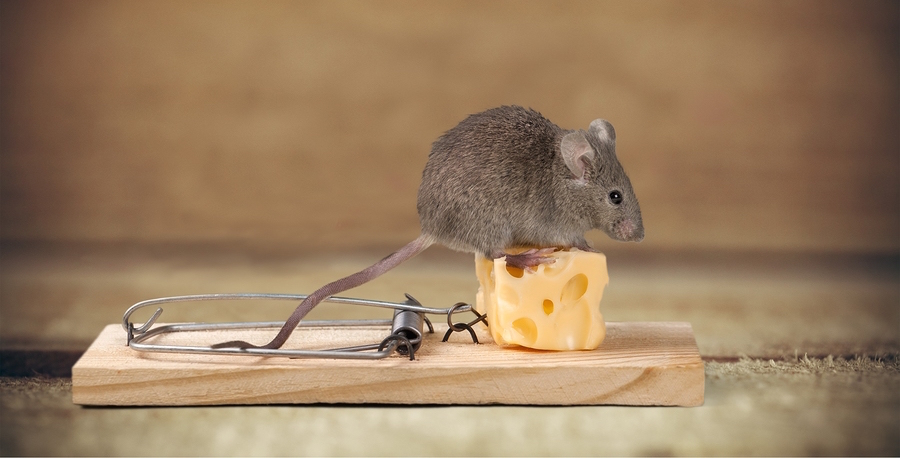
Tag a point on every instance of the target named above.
point(351, 281)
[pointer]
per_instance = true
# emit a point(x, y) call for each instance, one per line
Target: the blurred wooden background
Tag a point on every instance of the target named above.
point(744, 125)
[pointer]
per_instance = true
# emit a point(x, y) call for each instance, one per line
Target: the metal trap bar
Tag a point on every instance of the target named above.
point(407, 327)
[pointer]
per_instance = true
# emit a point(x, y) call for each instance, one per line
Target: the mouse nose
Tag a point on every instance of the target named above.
point(628, 231)
point(638, 235)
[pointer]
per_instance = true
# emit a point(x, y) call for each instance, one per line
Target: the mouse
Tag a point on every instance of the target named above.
point(507, 178)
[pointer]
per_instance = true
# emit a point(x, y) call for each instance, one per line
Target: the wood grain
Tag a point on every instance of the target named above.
point(639, 363)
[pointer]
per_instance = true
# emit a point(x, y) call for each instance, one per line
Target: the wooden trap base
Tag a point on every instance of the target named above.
point(639, 363)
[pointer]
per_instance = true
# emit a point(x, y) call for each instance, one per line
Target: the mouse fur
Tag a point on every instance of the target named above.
point(500, 179)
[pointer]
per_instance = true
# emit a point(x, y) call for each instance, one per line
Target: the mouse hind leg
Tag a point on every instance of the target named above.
point(527, 260)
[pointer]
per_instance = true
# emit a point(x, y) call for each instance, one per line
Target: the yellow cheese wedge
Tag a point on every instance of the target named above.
point(557, 307)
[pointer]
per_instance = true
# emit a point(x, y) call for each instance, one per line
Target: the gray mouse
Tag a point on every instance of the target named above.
point(504, 178)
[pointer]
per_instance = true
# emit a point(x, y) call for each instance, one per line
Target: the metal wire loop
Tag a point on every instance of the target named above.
point(459, 327)
point(401, 343)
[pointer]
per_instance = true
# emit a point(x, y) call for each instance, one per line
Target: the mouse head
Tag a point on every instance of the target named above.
point(599, 177)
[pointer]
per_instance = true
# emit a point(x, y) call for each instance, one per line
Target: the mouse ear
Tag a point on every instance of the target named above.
point(576, 152)
point(603, 130)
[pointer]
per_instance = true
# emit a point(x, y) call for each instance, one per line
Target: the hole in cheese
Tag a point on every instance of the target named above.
point(548, 306)
point(515, 271)
point(574, 289)
point(526, 328)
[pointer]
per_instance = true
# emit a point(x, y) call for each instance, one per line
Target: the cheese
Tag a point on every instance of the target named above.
point(557, 307)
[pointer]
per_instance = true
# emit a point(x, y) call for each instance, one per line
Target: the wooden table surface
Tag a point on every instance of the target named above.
point(800, 354)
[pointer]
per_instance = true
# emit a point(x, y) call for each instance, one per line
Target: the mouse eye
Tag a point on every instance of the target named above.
point(615, 197)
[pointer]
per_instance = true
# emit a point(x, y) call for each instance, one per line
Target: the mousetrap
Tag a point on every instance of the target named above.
point(407, 359)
